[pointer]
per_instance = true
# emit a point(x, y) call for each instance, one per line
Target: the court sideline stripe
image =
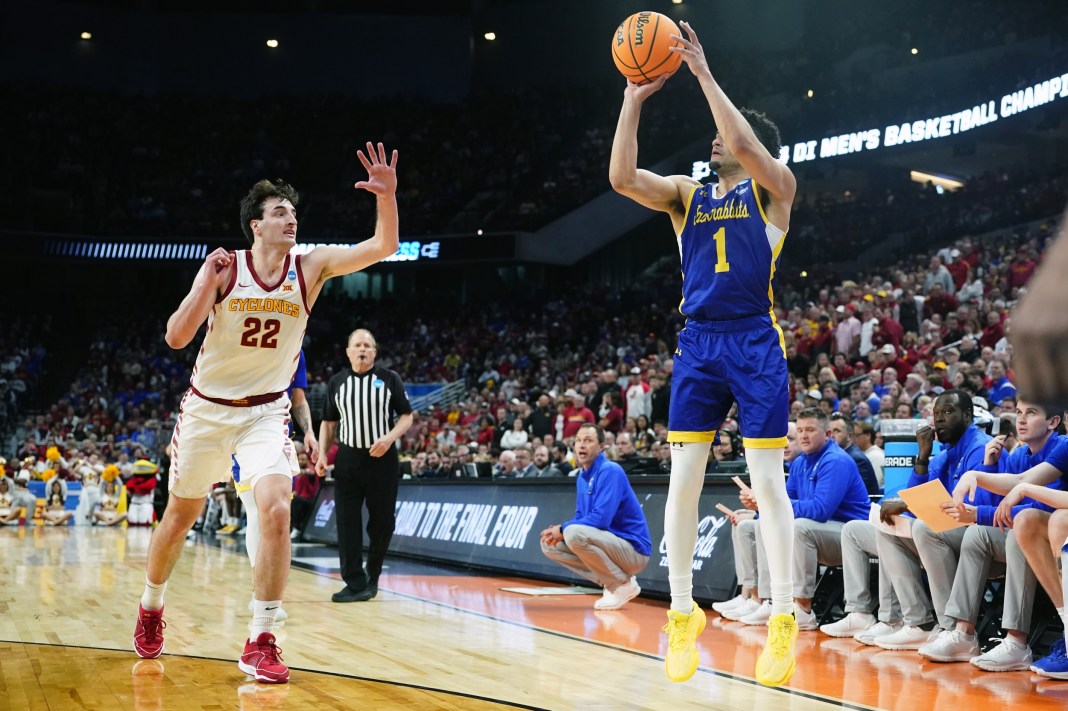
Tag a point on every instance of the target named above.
point(446, 692)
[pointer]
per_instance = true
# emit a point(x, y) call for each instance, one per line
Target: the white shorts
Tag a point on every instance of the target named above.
point(207, 434)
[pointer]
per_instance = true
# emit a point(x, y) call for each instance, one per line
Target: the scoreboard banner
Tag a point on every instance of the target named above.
point(496, 525)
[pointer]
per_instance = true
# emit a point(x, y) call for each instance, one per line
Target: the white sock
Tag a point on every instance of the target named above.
point(263, 614)
point(688, 461)
point(252, 525)
point(776, 523)
point(152, 597)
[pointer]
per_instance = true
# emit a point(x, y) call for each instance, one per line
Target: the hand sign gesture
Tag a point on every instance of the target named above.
point(381, 176)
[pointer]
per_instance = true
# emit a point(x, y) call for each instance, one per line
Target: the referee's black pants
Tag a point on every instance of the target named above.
point(360, 478)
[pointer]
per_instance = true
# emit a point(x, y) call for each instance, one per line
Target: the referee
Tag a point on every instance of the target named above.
point(367, 411)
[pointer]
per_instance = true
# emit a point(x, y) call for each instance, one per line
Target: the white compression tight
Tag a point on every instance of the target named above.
point(252, 525)
point(688, 461)
point(776, 523)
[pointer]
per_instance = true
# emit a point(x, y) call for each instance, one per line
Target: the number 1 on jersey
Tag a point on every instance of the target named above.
point(722, 265)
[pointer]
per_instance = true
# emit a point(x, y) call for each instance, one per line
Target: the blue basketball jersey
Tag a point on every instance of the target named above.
point(729, 253)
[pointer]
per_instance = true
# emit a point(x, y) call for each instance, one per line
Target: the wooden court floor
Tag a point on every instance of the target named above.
point(68, 598)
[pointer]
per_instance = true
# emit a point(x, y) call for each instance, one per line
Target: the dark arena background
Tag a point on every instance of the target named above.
point(929, 141)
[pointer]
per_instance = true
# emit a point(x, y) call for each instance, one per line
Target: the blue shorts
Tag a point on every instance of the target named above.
point(720, 362)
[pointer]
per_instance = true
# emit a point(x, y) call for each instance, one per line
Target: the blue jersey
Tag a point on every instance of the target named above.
point(729, 252)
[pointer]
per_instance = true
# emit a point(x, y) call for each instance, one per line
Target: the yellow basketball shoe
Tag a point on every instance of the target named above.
point(682, 629)
point(776, 663)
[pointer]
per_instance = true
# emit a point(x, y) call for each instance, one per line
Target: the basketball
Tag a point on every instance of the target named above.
point(641, 47)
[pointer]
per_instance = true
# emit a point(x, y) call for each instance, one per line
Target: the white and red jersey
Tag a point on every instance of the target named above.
point(254, 334)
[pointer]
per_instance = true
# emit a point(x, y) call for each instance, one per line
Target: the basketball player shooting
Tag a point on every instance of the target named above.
point(730, 235)
point(256, 303)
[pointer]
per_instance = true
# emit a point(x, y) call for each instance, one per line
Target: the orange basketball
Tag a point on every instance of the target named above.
point(641, 47)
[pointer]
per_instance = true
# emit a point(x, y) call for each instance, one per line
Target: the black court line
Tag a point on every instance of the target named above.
point(418, 687)
point(812, 696)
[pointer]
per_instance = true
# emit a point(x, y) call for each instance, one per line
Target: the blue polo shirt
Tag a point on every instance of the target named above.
point(1017, 462)
point(951, 463)
point(826, 486)
point(606, 501)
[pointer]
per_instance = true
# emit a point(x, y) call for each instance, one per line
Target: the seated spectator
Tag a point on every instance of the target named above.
point(543, 463)
point(963, 450)
point(842, 432)
point(644, 436)
point(9, 513)
point(107, 506)
point(515, 437)
point(524, 463)
point(56, 513)
point(505, 466)
point(626, 456)
point(434, 468)
point(607, 541)
point(959, 561)
point(563, 459)
point(864, 437)
point(826, 491)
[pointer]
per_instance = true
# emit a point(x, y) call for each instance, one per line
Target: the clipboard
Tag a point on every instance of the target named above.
point(925, 502)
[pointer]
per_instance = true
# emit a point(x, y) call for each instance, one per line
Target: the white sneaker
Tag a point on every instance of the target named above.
point(760, 616)
point(748, 607)
point(805, 620)
point(720, 607)
point(615, 599)
point(849, 625)
point(951, 646)
point(875, 631)
point(1007, 656)
point(907, 637)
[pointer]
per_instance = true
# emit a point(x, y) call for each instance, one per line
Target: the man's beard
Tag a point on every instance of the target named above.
point(715, 165)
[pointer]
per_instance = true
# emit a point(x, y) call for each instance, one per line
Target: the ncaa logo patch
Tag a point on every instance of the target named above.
point(292, 274)
point(378, 382)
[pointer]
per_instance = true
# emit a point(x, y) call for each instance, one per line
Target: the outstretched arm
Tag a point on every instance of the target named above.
point(642, 186)
point(323, 263)
point(737, 134)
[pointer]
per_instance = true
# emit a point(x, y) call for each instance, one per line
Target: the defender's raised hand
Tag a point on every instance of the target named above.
point(381, 176)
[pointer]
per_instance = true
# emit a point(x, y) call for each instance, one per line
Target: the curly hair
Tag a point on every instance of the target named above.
point(765, 129)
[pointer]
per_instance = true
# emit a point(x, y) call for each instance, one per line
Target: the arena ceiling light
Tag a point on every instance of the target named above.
point(490, 36)
point(87, 35)
point(946, 182)
point(272, 43)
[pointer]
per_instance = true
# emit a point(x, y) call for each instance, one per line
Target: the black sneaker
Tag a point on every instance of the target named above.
point(347, 594)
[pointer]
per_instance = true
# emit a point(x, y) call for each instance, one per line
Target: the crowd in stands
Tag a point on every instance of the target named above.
point(503, 160)
point(880, 345)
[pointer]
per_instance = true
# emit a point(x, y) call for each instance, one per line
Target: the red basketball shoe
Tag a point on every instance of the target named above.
point(148, 635)
point(263, 659)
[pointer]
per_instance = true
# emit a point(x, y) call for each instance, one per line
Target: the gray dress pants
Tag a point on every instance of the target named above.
point(988, 551)
point(858, 548)
point(902, 562)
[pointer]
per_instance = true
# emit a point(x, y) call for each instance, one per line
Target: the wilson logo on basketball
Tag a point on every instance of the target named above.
point(639, 28)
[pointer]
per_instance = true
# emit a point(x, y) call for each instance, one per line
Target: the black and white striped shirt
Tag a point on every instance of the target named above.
point(365, 406)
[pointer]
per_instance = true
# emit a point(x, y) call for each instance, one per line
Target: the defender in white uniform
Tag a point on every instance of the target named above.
point(256, 304)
